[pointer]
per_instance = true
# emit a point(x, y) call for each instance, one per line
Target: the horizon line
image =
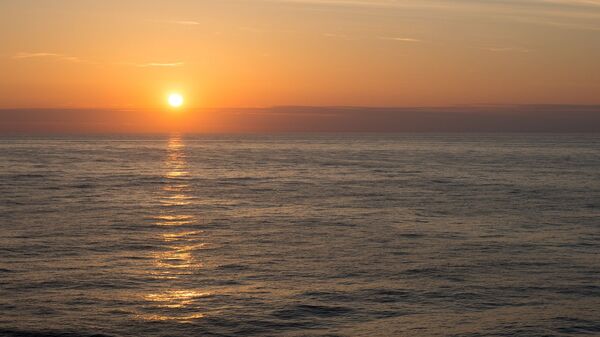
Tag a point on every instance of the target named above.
point(324, 106)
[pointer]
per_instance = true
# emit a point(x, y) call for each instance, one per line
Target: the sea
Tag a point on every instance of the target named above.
point(300, 235)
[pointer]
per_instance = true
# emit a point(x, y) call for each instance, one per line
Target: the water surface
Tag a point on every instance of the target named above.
point(300, 235)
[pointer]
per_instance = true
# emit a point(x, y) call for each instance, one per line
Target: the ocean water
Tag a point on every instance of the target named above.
point(300, 235)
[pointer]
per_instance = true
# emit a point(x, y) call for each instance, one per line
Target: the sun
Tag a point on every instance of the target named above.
point(175, 100)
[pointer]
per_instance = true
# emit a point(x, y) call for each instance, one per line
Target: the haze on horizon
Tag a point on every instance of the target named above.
point(127, 55)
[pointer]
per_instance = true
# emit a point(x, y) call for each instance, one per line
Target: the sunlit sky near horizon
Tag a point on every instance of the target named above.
point(236, 53)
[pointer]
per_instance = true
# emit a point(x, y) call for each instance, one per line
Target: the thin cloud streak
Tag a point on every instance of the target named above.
point(62, 57)
point(399, 39)
point(69, 58)
point(24, 55)
point(443, 4)
point(573, 2)
point(567, 25)
point(568, 15)
point(571, 9)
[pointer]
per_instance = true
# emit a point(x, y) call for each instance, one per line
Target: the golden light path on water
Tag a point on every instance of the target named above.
point(177, 259)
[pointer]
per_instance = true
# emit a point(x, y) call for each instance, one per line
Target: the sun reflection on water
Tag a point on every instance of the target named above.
point(177, 258)
point(174, 220)
point(178, 236)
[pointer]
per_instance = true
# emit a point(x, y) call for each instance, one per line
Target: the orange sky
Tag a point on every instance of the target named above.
point(251, 53)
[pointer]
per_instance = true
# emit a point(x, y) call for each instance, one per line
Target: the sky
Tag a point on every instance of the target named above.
point(127, 56)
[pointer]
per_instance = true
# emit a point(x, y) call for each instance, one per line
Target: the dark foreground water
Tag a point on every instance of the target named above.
point(305, 235)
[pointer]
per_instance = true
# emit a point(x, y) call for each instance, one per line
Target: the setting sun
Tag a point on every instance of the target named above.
point(175, 100)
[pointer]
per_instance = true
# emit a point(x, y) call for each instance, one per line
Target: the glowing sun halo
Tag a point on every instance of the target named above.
point(175, 100)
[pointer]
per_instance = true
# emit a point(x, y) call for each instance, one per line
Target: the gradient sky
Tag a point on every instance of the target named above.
point(115, 54)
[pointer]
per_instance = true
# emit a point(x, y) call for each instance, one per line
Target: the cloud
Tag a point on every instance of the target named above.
point(572, 2)
point(563, 8)
point(567, 25)
point(574, 15)
point(473, 118)
point(156, 64)
point(399, 39)
point(61, 57)
point(69, 58)
point(443, 3)
point(24, 55)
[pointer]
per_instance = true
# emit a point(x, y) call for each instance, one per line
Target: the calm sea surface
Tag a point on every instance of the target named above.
point(300, 235)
